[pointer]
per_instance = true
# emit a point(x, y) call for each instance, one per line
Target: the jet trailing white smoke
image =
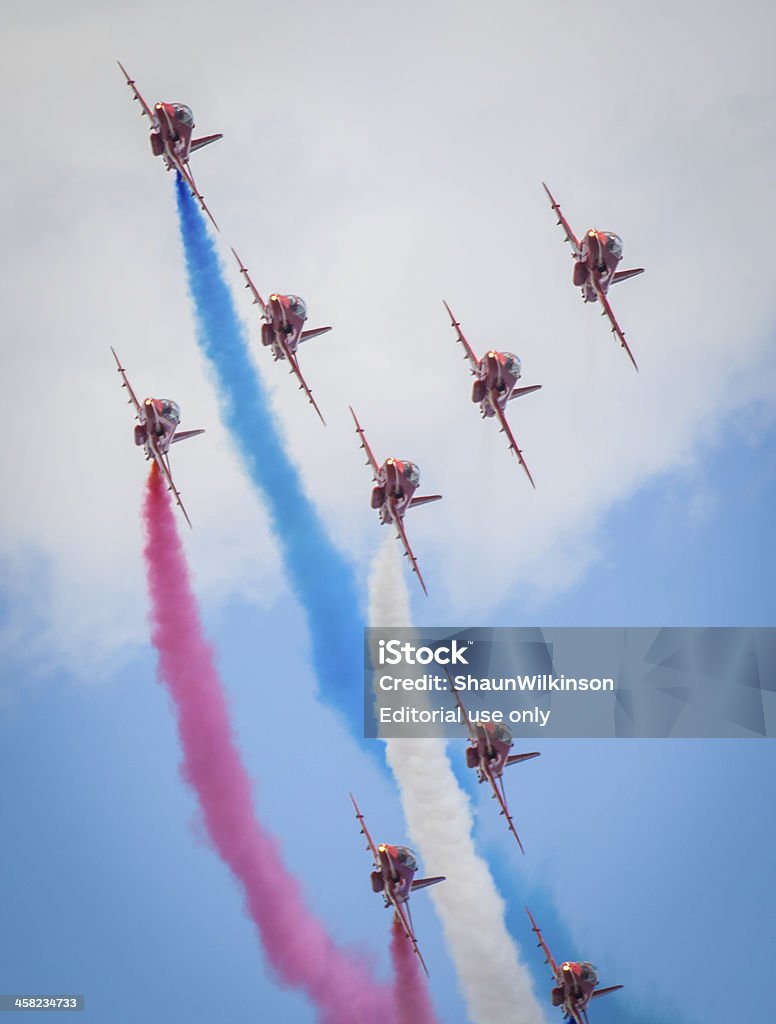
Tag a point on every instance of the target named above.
point(495, 984)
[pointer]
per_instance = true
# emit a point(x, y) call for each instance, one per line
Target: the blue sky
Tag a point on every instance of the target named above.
point(658, 869)
point(692, 548)
point(397, 164)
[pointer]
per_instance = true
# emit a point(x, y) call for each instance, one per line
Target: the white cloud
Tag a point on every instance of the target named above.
point(375, 165)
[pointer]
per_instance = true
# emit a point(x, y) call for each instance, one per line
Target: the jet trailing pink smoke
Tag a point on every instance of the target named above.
point(298, 947)
point(412, 1001)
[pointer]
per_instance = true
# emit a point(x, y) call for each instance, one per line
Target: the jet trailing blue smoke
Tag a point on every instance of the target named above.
point(619, 1008)
point(320, 579)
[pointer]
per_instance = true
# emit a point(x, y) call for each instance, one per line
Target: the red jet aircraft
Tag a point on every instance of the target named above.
point(595, 267)
point(489, 754)
point(396, 482)
point(394, 876)
point(284, 317)
point(575, 983)
point(497, 374)
point(157, 429)
point(172, 125)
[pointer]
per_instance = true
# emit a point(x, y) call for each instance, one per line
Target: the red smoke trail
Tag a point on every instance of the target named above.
point(296, 944)
point(411, 998)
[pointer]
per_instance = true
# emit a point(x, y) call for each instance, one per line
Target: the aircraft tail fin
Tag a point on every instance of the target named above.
point(525, 391)
point(517, 758)
point(183, 435)
point(424, 499)
point(623, 275)
point(204, 141)
point(422, 883)
point(313, 333)
point(605, 991)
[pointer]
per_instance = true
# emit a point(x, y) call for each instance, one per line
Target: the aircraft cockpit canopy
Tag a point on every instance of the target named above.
point(588, 973)
point(614, 244)
point(412, 473)
point(184, 114)
point(512, 363)
point(170, 410)
point(297, 306)
point(501, 733)
point(406, 858)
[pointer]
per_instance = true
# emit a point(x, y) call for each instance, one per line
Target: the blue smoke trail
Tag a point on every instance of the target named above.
point(319, 577)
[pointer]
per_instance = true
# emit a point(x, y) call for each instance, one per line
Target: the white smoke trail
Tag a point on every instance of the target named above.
point(495, 983)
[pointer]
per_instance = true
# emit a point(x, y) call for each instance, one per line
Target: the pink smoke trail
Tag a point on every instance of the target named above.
point(411, 998)
point(298, 947)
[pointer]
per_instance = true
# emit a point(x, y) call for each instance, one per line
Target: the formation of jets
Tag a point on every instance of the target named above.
point(496, 373)
point(496, 376)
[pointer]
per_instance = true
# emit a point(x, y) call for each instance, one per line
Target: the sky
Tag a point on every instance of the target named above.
point(376, 161)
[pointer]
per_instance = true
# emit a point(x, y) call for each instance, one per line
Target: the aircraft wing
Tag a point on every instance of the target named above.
point(616, 329)
point(365, 831)
point(164, 466)
point(131, 83)
point(500, 795)
point(249, 284)
point(548, 958)
point(519, 392)
point(473, 362)
point(512, 442)
point(403, 917)
point(184, 435)
point(185, 172)
point(605, 991)
point(302, 383)
point(519, 758)
point(125, 384)
point(365, 445)
point(398, 522)
point(571, 238)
